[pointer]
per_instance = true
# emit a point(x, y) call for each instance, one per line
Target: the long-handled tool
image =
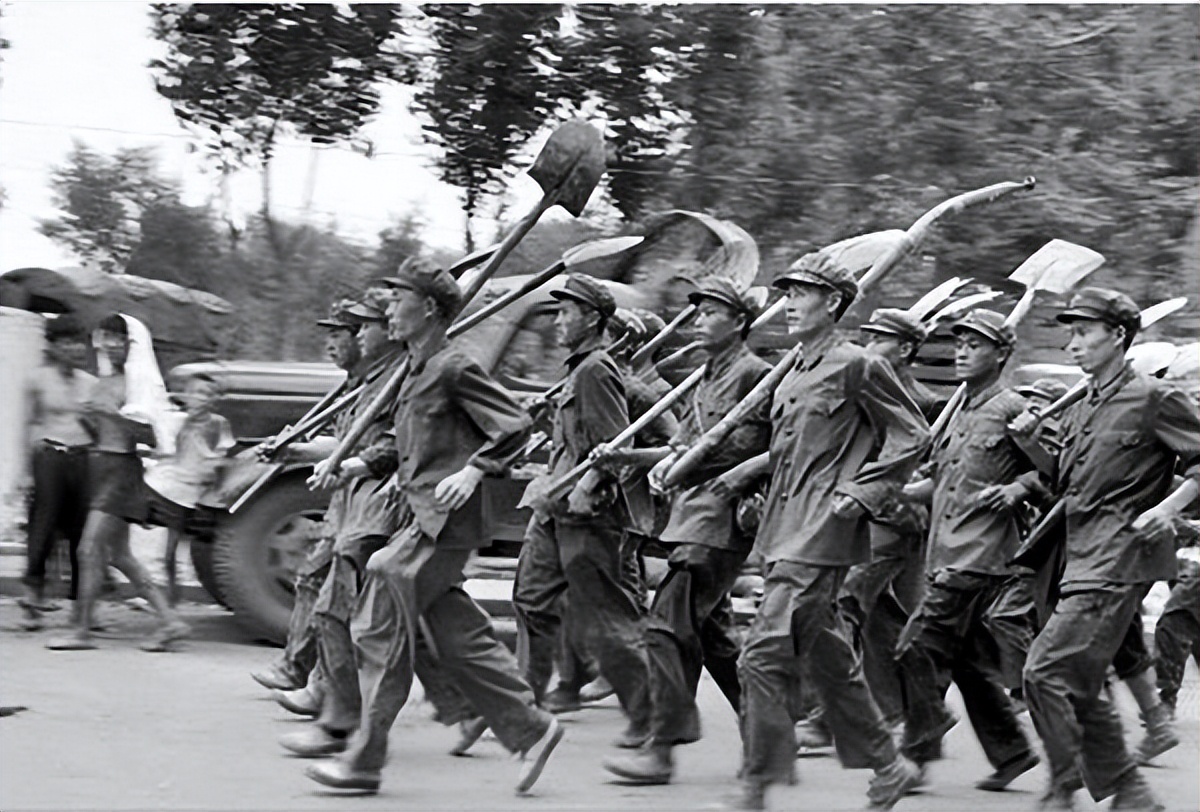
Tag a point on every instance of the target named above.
point(896, 250)
point(568, 169)
point(1056, 267)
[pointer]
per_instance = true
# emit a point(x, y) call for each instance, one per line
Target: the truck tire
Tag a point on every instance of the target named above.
point(257, 551)
point(206, 573)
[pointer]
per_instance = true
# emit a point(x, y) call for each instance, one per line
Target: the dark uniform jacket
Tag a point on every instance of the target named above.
point(361, 507)
point(1121, 446)
point(450, 414)
point(841, 424)
point(977, 453)
point(591, 410)
point(697, 515)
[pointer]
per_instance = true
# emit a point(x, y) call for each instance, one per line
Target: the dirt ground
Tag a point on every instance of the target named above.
point(118, 728)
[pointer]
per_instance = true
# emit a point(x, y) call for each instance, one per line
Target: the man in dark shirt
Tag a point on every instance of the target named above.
point(1122, 445)
point(979, 478)
point(452, 425)
point(574, 545)
point(365, 516)
point(879, 595)
point(845, 436)
point(294, 666)
point(682, 635)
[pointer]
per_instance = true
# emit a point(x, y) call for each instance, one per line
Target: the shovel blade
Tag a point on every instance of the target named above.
point(1153, 357)
point(858, 254)
point(935, 298)
point(570, 164)
point(598, 249)
point(735, 259)
point(1057, 266)
point(1160, 311)
point(955, 309)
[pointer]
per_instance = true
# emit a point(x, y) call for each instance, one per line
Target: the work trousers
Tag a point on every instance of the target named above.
point(950, 639)
point(1064, 681)
point(59, 508)
point(1012, 621)
point(876, 617)
point(683, 635)
point(300, 651)
point(584, 559)
point(576, 666)
point(341, 702)
point(413, 584)
point(1177, 636)
point(796, 632)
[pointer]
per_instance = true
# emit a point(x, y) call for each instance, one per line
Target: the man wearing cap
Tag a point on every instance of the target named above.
point(574, 545)
point(878, 595)
point(577, 670)
point(293, 668)
point(682, 634)
point(845, 436)
point(1122, 444)
point(452, 425)
point(365, 515)
point(979, 478)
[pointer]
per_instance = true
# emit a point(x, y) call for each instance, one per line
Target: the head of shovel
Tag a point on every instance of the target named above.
point(955, 309)
point(935, 298)
point(1153, 357)
point(858, 254)
point(570, 164)
point(1158, 312)
point(736, 259)
point(1057, 267)
point(594, 250)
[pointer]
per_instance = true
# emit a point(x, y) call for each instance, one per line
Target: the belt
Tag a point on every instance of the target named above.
point(62, 448)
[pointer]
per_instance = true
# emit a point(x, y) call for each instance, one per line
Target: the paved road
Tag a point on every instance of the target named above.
point(121, 729)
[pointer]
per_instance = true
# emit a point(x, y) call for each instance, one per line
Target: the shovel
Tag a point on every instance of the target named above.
point(1056, 267)
point(568, 169)
point(895, 250)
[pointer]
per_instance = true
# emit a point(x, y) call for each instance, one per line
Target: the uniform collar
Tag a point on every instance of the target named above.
point(1098, 392)
point(720, 363)
point(589, 346)
point(418, 356)
point(815, 350)
point(983, 395)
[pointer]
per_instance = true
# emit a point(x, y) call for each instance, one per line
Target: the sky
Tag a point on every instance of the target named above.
point(77, 71)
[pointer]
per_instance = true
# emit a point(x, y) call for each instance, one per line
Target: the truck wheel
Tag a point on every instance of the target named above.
point(206, 573)
point(257, 551)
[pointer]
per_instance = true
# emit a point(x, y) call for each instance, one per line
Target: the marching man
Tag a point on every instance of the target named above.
point(1121, 447)
point(845, 437)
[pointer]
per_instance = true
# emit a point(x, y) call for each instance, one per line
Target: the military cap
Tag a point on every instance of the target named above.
point(626, 322)
point(373, 306)
point(820, 269)
point(1101, 304)
point(1050, 389)
point(651, 320)
point(721, 290)
point(987, 323)
point(588, 292)
point(338, 317)
point(902, 324)
point(438, 285)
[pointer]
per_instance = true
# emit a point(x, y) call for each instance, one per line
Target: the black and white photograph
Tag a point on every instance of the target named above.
point(412, 407)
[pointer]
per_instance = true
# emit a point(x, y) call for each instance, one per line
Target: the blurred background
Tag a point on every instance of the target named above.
point(279, 155)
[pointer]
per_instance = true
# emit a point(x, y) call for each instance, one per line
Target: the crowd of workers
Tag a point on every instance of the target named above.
point(889, 557)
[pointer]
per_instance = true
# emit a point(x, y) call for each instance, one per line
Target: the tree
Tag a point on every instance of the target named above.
point(239, 75)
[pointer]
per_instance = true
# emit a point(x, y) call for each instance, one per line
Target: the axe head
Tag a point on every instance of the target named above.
point(570, 164)
point(858, 254)
point(1160, 311)
point(1057, 266)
